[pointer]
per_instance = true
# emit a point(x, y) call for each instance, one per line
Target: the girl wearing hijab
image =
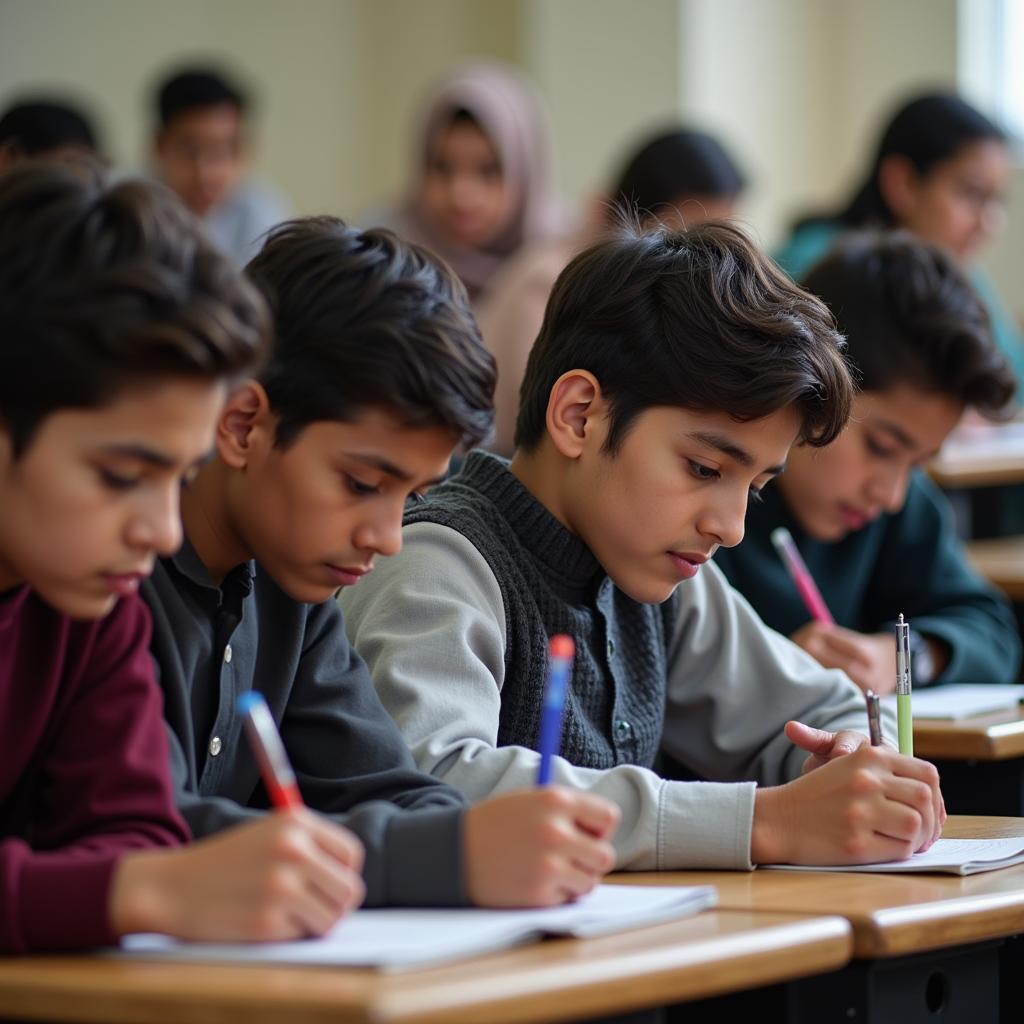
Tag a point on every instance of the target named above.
point(676, 177)
point(482, 179)
point(940, 172)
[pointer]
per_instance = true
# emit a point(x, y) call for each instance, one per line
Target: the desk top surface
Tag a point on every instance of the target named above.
point(981, 455)
point(993, 737)
point(893, 914)
point(709, 954)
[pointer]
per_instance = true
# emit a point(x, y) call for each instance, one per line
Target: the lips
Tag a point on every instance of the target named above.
point(687, 563)
point(854, 518)
point(348, 576)
point(125, 583)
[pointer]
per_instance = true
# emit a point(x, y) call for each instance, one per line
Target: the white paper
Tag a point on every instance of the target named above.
point(962, 700)
point(948, 856)
point(396, 937)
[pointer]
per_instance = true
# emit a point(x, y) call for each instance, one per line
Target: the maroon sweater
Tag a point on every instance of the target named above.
point(83, 768)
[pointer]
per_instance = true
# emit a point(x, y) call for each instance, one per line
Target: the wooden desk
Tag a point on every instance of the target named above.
point(980, 759)
point(564, 979)
point(1001, 562)
point(981, 455)
point(907, 931)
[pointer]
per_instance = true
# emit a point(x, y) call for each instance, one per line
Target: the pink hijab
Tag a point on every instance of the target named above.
point(509, 110)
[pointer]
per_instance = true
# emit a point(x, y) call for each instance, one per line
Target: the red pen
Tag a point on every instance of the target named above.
point(265, 740)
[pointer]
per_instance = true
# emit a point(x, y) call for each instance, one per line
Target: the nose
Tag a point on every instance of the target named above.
point(156, 525)
point(722, 520)
point(381, 535)
point(889, 489)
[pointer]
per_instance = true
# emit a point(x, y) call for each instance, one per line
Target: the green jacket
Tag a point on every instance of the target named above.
point(910, 562)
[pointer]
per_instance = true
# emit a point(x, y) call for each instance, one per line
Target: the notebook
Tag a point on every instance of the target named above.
point(961, 700)
point(947, 856)
point(394, 938)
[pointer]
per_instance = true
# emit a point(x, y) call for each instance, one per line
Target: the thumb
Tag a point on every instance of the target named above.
point(814, 741)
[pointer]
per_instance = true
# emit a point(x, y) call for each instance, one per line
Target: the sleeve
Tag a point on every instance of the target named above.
point(941, 594)
point(103, 790)
point(430, 624)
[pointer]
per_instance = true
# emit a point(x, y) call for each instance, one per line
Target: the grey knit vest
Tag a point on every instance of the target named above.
point(551, 583)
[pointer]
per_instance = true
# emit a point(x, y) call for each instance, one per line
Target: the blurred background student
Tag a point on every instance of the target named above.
point(202, 146)
point(481, 184)
point(941, 172)
point(34, 128)
point(676, 176)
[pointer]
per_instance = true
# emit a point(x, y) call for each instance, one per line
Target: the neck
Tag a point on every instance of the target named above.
point(208, 523)
point(542, 472)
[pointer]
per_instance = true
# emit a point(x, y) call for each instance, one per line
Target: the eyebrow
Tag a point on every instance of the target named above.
point(725, 445)
point(899, 433)
point(138, 451)
point(385, 466)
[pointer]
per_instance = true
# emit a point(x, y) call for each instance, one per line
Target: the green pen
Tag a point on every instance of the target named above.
point(904, 719)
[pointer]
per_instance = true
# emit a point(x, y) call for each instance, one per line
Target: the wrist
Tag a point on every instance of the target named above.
point(137, 902)
point(768, 832)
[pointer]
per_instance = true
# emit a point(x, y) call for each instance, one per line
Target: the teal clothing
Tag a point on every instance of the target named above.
point(909, 562)
point(809, 243)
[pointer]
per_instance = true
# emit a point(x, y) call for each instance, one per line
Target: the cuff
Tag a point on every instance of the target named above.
point(424, 863)
point(705, 825)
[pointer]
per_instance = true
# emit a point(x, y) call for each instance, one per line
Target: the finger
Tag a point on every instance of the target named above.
point(909, 811)
point(806, 737)
point(595, 814)
point(846, 742)
point(847, 648)
point(337, 886)
point(594, 856)
point(337, 842)
point(573, 882)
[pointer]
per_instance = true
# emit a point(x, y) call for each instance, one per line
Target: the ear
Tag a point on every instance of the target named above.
point(246, 425)
point(576, 413)
point(897, 182)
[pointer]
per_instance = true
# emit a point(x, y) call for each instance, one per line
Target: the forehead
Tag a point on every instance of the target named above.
point(223, 120)
point(922, 418)
point(984, 158)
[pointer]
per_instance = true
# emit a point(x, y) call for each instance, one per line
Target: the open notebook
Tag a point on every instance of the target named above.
point(947, 856)
point(961, 700)
point(393, 938)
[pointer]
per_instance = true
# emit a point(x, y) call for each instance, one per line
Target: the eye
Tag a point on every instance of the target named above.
point(357, 487)
point(876, 449)
point(756, 497)
point(702, 472)
point(115, 481)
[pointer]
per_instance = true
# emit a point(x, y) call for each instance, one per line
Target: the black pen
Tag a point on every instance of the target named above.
point(874, 722)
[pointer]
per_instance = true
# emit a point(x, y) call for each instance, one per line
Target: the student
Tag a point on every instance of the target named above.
point(675, 177)
point(377, 372)
point(482, 182)
point(44, 129)
point(202, 149)
point(672, 375)
point(119, 328)
point(941, 172)
point(878, 538)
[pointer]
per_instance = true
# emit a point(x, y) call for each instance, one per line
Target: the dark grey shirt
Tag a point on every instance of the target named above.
point(213, 643)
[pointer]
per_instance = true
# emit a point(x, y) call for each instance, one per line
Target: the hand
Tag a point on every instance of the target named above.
point(287, 875)
point(537, 847)
point(871, 805)
point(823, 746)
point(869, 659)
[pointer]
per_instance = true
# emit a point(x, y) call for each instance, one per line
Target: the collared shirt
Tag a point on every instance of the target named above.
point(212, 644)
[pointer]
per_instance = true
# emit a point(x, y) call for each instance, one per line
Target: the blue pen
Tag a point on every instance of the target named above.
point(561, 651)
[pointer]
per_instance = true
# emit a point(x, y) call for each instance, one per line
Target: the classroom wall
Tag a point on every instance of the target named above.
point(796, 87)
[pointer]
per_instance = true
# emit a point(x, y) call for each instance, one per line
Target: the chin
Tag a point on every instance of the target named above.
point(79, 605)
point(646, 591)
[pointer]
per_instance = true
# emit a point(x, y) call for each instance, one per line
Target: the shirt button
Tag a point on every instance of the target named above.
point(215, 746)
point(227, 654)
point(622, 729)
point(611, 648)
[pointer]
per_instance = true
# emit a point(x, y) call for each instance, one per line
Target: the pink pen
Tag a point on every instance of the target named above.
point(784, 544)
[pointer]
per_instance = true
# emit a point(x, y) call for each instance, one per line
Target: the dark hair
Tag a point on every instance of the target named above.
point(194, 88)
point(36, 127)
point(910, 316)
point(674, 164)
point(102, 287)
point(926, 131)
point(698, 319)
point(365, 319)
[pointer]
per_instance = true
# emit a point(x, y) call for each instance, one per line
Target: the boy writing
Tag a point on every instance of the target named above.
point(672, 374)
point(120, 327)
point(377, 371)
point(877, 536)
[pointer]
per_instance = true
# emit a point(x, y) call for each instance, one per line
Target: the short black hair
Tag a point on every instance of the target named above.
point(365, 319)
point(910, 316)
point(195, 88)
point(675, 163)
point(106, 286)
point(696, 318)
point(36, 127)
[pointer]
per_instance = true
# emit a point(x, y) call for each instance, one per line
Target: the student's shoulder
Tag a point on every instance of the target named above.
point(805, 246)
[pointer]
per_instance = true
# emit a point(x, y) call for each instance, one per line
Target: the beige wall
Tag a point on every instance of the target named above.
point(797, 88)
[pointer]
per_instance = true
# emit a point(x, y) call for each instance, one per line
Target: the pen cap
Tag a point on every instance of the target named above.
point(562, 646)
